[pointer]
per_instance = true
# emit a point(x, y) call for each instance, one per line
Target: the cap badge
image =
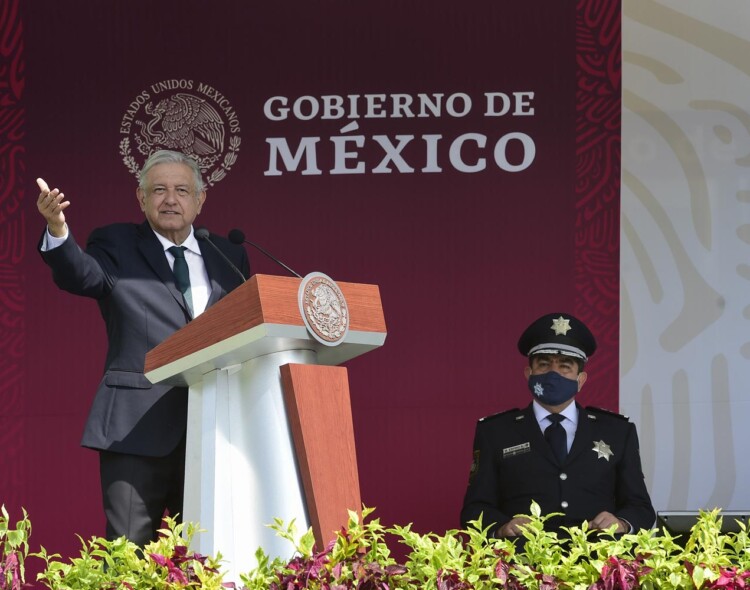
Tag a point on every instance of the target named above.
point(561, 326)
point(602, 450)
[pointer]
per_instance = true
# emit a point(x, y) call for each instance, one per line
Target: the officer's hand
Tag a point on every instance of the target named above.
point(604, 520)
point(512, 528)
point(51, 205)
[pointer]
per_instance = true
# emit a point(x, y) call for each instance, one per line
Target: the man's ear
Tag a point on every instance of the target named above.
point(141, 196)
point(201, 200)
point(527, 372)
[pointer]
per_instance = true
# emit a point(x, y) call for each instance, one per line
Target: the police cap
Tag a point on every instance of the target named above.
point(558, 333)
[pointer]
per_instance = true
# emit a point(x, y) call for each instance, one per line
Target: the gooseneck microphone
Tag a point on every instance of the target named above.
point(237, 237)
point(205, 236)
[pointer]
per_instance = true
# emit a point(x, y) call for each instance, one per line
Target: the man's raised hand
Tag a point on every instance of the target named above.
point(51, 204)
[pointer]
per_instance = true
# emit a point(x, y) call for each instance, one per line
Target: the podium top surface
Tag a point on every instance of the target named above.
point(260, 317)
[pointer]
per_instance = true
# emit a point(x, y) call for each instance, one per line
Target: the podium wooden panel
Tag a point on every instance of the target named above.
point(256, 447)
point(320, 415)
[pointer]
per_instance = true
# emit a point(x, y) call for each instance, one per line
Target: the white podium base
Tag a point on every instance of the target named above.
point(240, 466)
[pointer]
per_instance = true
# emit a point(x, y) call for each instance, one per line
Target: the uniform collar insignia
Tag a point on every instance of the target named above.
point(602, 450)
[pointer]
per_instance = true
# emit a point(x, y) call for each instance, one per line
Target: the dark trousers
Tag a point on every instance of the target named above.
point(137, 492)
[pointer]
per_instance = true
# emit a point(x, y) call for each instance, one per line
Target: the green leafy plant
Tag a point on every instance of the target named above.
point(166, 564)
point(359, 558)
point(713, 559)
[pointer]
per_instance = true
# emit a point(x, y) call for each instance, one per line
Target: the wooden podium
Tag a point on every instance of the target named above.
point(269, 430)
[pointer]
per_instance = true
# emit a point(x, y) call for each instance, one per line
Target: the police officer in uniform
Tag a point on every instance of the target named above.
point(581, 462)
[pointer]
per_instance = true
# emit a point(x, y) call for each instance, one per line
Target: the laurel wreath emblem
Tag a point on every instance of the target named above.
point(182, 121)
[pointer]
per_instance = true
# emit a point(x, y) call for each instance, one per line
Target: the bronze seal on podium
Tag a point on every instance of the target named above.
point(323, 309)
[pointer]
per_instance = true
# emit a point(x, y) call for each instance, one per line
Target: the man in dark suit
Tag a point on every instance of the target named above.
point(149, 280)
point(581, 462)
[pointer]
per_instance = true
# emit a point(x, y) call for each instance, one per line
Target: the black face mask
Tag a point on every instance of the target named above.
point(551, 388)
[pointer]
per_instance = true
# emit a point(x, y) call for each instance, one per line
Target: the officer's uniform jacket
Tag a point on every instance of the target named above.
point(514, 465)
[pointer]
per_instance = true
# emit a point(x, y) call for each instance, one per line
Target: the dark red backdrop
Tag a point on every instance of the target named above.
point(464, 260)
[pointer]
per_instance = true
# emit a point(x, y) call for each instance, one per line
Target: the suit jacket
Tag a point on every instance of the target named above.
point(125, 269)
point(514, 464)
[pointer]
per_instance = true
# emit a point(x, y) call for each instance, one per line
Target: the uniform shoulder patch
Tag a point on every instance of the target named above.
point(596, 410)
point(503, 413)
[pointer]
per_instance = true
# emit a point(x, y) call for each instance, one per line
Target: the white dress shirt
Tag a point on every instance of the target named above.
point(200, 286)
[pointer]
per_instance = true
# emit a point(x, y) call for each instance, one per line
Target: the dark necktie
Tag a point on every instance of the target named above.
point(182, 274)
point(557, 437)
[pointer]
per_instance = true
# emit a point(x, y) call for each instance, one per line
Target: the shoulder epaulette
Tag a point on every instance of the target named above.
point(607, 412)
point(491, 416)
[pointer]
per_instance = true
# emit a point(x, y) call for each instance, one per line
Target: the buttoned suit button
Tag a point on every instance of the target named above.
point(563, 476)
point(564, 504)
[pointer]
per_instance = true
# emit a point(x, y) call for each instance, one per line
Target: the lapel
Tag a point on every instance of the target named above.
point(153, 253)
point(584, 434)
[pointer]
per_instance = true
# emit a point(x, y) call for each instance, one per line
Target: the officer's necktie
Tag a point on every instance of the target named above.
point(182, 274)
point(557, 437)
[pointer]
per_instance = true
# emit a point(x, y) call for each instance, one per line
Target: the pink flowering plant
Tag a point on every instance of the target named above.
point(14, 547)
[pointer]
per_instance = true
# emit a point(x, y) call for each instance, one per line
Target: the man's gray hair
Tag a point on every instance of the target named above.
point(170, 157)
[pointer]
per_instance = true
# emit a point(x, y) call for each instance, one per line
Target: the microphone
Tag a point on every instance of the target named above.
point(205, 236)
point(237, 237)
